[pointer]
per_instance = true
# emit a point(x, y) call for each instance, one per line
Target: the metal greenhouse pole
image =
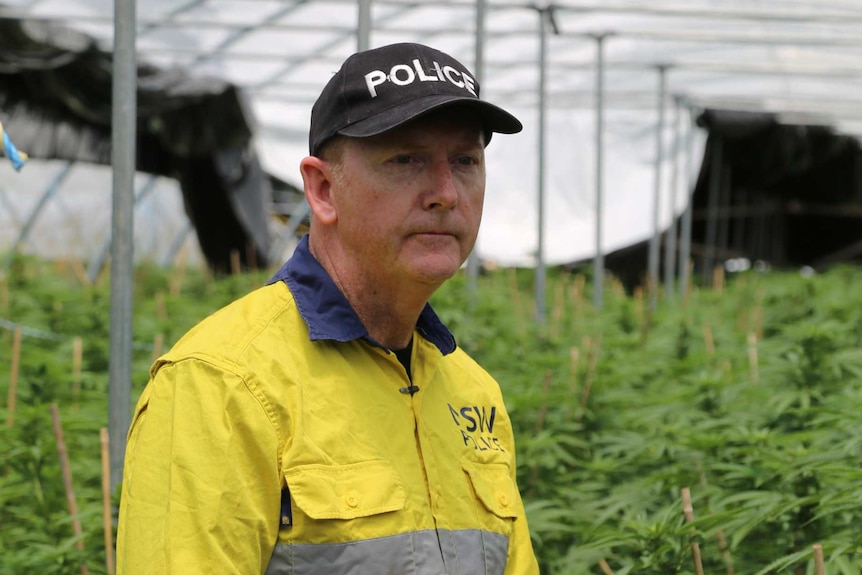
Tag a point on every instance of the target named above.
point(124, 111)
point(653, 263)
point(546, 16)
point(599, 259)
point(670, 242)
point(473, 258)
point(363, 28)
point(685, 232)
point(715, 177)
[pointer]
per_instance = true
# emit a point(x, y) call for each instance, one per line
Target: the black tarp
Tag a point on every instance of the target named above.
point(792, 194)
point(55, 96)
point(789, 195)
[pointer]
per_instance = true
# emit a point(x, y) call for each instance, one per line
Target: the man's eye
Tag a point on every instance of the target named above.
point(467, 160)
point(403, 159)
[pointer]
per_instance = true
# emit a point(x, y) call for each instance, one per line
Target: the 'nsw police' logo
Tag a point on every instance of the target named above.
point(476, 425)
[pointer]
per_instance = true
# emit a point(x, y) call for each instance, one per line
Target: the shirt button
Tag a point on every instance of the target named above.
point(352, 500)
point(504, 501)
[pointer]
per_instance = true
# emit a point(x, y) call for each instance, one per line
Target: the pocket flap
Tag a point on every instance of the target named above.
point(494, 486)
point(345, 491)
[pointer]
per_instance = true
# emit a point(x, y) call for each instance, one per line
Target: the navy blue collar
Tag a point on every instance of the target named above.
point(330, 316)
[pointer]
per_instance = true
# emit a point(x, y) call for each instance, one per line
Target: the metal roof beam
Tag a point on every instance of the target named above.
point(755, 15)
point(715, 66)
point(852, 39)
point(820, 71)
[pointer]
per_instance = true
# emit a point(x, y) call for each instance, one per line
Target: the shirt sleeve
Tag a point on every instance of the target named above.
point(201, 487)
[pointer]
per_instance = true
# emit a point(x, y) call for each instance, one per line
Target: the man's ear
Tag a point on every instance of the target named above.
point(317, 183)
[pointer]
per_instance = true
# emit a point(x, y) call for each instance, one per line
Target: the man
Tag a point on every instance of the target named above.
point(327, 423)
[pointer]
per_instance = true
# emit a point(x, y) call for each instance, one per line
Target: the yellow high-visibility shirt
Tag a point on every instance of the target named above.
point(278, 437)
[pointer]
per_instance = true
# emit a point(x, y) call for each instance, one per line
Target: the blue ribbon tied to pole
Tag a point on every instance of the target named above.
point(15, 156)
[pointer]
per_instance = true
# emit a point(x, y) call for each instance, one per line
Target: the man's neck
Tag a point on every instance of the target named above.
point(390, 322)
point(388, 311)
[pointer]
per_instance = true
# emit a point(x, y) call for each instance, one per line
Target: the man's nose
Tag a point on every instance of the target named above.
point(442, 192)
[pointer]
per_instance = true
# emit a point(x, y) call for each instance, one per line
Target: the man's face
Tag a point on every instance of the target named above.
point(409, 201)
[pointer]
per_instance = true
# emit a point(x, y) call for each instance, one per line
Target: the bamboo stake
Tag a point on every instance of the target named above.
point(13, 376)
point(158, 343)
point(818, 560)
point(707, 339)
point(718, 278)
point(176, 281)
point(752, 356)
point(688, 511)
point(67, 483)
point(606, 569)
point(77, 360)
point(107, 514)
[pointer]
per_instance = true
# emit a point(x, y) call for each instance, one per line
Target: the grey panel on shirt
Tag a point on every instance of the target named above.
point(461, 552)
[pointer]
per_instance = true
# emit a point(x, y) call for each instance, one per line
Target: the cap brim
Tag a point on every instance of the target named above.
point(493, 118)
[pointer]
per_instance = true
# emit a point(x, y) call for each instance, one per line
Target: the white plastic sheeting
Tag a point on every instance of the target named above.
point(799, 59)
point(76, 222)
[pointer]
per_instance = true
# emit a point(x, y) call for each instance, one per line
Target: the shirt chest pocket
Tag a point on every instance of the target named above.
point(496, 492)
point(344, 492)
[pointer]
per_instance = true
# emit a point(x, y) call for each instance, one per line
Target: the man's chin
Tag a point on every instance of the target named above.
point(436, 270)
